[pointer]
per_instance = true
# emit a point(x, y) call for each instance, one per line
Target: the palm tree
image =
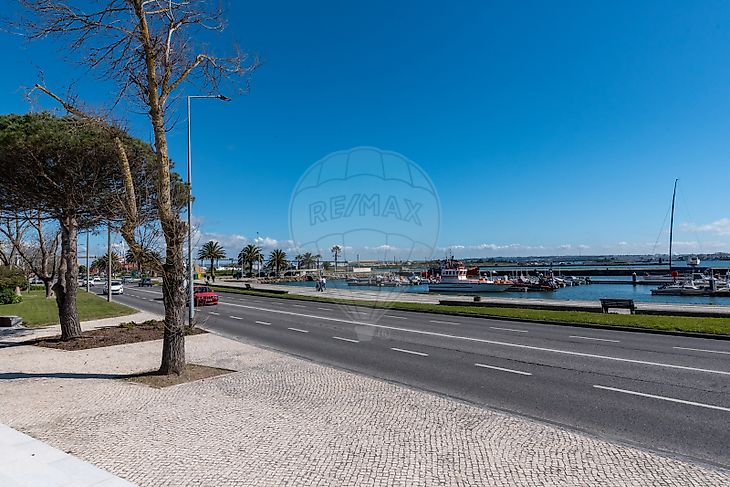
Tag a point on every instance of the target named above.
point(336, 249)
point(277, 260)
point(306, 261)
point(212, 251)
point(100, 263)
point(129, 258)
point(250, 254)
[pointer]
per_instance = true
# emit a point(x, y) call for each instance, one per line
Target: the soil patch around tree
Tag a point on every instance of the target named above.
point(191, 373)
point(112, 335)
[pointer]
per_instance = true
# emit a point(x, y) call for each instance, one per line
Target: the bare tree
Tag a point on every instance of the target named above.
point(150, 239)
point(36, 244)
point(12, 230)
point(149, 48)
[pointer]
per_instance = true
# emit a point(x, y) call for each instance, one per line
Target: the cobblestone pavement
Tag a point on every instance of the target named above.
point(279, 420)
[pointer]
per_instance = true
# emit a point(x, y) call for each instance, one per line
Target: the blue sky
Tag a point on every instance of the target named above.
point(546, 127)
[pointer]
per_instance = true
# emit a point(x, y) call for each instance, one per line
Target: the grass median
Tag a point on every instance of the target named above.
point(711, 326)
point(36, 310)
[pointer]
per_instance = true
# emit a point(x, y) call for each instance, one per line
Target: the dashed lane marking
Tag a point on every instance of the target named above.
point(485, 366)
point(663, 398)
point(403, 350)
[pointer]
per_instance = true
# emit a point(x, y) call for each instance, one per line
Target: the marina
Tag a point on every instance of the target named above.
point(592, 292)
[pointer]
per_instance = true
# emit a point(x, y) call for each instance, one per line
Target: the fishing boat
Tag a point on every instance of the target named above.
point(454, 280)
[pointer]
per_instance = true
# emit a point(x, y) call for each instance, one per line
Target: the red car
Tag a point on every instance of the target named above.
point(204, 296)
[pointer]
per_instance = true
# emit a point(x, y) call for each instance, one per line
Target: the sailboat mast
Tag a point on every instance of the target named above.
point(671, 224)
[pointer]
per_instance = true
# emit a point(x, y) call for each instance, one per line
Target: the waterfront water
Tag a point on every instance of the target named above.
point(653, 268)
point(591, 292)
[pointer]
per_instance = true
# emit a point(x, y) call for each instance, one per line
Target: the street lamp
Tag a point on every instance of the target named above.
point(191, 294)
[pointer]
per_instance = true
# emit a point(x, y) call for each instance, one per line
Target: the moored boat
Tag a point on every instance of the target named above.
point(454, 280)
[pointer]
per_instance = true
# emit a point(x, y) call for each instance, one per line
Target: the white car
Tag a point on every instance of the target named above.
point(117, 288)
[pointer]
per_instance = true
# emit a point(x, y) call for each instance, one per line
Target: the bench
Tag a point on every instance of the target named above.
point(271, 291)
point(607, 304)
point(10, 321)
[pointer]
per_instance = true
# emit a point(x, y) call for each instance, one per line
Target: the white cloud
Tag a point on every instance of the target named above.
point(718, 227)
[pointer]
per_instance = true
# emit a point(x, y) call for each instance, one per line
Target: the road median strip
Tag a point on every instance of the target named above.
point(672, 324)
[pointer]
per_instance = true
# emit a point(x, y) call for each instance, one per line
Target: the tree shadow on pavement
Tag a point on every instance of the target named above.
point(58, 375)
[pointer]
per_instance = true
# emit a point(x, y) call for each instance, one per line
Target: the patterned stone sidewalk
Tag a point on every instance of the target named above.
point(279, 420)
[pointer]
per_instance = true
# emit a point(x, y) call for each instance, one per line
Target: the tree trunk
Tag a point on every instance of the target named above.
point(68, 277)
point(47, 284)
point(173, 288)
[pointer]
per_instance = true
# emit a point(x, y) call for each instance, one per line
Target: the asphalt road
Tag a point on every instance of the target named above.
point(664, 393)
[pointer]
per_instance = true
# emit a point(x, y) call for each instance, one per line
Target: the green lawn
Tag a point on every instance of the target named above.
point(36, 310)
point(715, 326)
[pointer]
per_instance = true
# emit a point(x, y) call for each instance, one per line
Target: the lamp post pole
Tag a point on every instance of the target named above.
point(109, 262)
point(87, 260)
point(191, 296)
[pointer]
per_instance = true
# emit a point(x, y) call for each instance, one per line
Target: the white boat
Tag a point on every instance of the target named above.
point(455, 280)
point(693, 261)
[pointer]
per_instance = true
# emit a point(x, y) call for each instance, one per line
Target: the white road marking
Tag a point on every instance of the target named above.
point(236, 317)
point(482, 340)
point(325, 309)
point(409, 351)
point(445, 322)
point(149, 292)
point(297, 329)
point(396, 317)
point(298, 305)
point(670, 399)
point(502, 369)
point(507, 329)
point(347, 339)
point(702, 350)
point(266, 323)
point(596, 339)
point(214, 313)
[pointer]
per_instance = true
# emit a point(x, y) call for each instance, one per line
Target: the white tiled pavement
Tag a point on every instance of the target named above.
point(27, 462)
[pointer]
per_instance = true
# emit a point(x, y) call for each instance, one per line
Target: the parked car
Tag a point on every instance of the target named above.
point(204, 296)
point(117, 288)
point(145, 281)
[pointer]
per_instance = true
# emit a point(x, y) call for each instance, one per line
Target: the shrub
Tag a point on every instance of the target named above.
point(8, 296)
point(10, 278)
